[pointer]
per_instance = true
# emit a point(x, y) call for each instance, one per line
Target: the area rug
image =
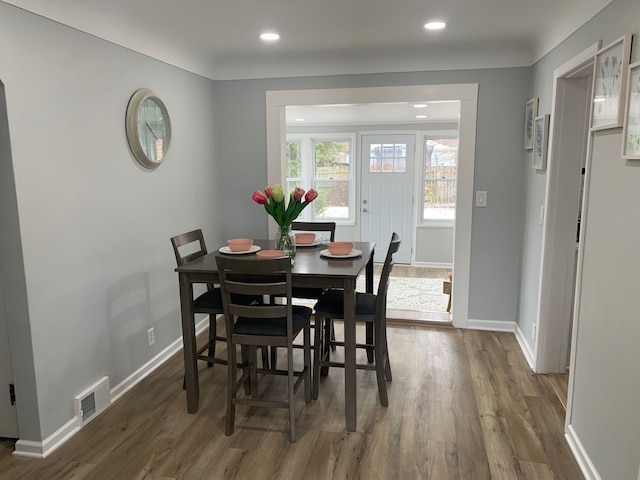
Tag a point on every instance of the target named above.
point(406, 293)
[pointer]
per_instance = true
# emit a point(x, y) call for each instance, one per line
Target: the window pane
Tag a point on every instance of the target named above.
point(388, 157)
point(332, 160)
point(333, 199)
point(294, 160)
point(440, 182)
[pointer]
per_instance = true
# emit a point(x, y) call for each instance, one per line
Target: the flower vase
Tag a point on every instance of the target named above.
point(285, 240)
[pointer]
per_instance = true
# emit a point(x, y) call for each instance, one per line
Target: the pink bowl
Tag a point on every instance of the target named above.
point(271, 254)
point(305, 238)
point(340, 248)
point(239, 244)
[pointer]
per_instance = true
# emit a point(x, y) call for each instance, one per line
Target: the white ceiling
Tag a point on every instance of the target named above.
point(219, 38)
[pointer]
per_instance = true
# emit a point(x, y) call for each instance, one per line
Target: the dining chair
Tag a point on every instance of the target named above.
point(309, 293)
point(371, 309)
point(249, 326)
point(210, 302)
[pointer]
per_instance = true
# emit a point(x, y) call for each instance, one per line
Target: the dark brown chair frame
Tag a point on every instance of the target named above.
point(209, 303)
point(275, 325)
point(326, 313)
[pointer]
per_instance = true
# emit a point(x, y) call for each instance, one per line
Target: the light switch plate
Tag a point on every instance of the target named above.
point(481, 198)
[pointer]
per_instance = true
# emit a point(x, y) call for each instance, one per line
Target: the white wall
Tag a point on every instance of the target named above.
point(605, 391)
point(496, 234)
point(94, 227)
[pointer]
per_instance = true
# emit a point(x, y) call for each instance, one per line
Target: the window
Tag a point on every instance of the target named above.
point(440, 177)
point(388, 157)
point(324, 163)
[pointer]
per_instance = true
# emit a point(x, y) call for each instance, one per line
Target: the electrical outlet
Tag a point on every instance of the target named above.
point(151, 336)
point(534, 331)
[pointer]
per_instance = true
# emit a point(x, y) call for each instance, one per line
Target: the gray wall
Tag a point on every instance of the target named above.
point(604, 406)
point(500, 164)
point(93, 227)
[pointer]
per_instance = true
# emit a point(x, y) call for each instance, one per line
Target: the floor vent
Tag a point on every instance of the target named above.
point(93, 400)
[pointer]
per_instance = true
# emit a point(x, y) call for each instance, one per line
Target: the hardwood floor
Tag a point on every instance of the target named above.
point(463, 405)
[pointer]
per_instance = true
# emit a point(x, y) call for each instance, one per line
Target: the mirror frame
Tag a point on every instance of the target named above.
point(133, 134)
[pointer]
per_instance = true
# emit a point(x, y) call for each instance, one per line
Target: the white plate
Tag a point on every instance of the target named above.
point(227, 250)
point(354, 253)
point(314, 244)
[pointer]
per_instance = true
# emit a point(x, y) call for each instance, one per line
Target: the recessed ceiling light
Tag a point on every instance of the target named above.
point(421, 116)
point(299, 119)
point(420, 105)
point(435, 25)
point(269, 37)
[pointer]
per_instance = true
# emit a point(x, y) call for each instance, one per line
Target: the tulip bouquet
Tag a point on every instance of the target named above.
point(274, 203)
point(273, 200)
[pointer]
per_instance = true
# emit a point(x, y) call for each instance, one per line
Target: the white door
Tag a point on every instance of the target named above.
point(8, 417)
point(386, 200)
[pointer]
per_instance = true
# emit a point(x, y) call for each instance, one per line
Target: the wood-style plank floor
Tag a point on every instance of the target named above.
point(463, 405)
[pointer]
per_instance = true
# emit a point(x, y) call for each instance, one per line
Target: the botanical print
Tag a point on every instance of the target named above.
point(632, 139)
point(540, 142)
point(608, 83)
point(531, 110)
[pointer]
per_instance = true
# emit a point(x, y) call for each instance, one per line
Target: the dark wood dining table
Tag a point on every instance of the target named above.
point(310, 269)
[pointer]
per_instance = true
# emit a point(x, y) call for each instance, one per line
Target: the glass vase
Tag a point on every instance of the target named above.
point(285, 240)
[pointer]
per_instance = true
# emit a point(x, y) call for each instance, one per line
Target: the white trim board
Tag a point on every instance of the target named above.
point(31, 449)
point(584, 462)
point(467, 94)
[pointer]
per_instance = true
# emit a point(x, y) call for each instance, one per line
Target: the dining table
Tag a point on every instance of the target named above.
point(313, 266)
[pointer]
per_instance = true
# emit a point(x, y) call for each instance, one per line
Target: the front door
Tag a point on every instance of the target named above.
point(386, 201)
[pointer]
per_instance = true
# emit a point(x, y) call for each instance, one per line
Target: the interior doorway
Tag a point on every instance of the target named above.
point(569, 151)
point(466, 94)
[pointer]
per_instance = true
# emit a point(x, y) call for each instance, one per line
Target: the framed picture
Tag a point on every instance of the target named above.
point(530, 113)
point(609, 84)
point(631, 131)
point(540, 142)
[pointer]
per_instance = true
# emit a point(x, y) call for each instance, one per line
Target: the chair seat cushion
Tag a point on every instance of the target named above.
point(212, 300)
point(331, 304)
point(274, 327)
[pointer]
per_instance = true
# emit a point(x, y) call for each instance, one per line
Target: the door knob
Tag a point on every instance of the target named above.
point(364, 210)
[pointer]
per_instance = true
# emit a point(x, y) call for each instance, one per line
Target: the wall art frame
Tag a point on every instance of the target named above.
point(540, 142)
point(631, 130)
point(609, 84)
point(530, 114)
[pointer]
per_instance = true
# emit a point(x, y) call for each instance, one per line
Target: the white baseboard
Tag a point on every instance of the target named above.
point(32, 449)
point(491, 325)
point(525, 347)
point(584, 462)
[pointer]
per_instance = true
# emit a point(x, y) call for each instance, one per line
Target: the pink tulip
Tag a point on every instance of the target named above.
point(311, 195)
point(268, 191)
point(297, 194)
point(259, 197)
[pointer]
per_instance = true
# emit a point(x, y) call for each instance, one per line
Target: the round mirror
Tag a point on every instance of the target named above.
point(148, 128)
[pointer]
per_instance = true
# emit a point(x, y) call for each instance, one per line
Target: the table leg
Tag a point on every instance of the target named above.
point(350, 385)
point(189, 344)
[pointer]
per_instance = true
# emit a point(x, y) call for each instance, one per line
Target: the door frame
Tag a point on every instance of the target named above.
point(467, 94)
point(558, 263)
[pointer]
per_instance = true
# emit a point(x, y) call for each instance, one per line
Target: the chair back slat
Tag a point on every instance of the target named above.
point(185, 239)
point(256, 276)
point(316, 227)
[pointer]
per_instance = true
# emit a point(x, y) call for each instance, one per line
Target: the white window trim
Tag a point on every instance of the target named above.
point(307, 140)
